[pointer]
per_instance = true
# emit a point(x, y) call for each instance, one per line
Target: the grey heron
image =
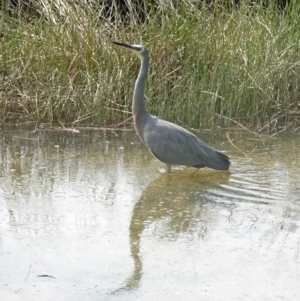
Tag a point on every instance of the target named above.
point(168, 142)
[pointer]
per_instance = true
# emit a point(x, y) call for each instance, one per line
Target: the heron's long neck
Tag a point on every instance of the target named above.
point(138, 107)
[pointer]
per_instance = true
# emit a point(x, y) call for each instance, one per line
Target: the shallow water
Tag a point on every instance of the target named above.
point(93, 216)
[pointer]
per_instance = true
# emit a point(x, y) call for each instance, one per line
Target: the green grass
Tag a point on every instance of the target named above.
point(206, 67)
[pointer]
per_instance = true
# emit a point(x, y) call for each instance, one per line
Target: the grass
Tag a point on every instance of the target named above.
point(207, 67)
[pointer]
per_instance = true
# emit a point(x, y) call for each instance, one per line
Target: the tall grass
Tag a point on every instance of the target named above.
point(207, 67)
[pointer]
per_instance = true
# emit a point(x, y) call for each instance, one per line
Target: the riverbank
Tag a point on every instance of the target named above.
point(208, 68)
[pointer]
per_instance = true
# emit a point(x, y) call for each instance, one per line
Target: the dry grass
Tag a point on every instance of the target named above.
point(61, 66)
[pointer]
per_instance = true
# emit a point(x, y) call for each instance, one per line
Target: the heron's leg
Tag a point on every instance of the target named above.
point(168, 168)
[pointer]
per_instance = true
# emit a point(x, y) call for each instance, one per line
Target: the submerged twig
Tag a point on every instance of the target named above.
point(252, 150)
point(4, 118)
point(282, 130)
point(244, 128)
point(231, 142)
point(68, 129)
point(84, 117)
point(119, 124)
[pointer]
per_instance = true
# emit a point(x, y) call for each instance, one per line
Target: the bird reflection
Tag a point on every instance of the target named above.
point(176, 205)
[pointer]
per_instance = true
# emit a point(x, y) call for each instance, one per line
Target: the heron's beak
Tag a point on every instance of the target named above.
point(131, 47)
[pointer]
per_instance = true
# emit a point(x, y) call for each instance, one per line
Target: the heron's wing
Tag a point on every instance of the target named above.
point(175, 145)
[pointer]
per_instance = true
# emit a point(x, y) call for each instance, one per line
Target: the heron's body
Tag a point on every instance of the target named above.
point(170, 143)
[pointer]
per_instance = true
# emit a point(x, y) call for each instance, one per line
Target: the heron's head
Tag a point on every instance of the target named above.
point(140, 50)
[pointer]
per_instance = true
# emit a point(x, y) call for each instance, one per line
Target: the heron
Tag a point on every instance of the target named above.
point(168, 142)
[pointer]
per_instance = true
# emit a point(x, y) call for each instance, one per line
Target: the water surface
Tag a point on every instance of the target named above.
point(93, 216)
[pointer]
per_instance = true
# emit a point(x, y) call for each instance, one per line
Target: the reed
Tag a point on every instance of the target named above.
point(207, 67)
